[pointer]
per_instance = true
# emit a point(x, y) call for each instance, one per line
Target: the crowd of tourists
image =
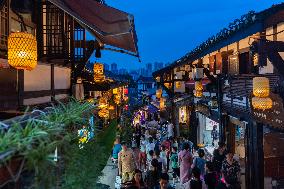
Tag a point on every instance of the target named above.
point(157, 160)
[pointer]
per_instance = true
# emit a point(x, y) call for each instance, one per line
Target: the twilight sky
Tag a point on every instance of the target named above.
point(169, 29)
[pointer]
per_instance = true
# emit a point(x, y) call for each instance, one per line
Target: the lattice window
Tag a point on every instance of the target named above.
point(57, 29)
point(4, 26)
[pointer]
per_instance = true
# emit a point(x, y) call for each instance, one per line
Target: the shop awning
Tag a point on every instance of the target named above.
point(109, 25)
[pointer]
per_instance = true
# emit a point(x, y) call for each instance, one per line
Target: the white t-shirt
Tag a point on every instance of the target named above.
point(170, 130)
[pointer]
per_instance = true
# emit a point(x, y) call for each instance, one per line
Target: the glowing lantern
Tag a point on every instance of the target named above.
point(103, 103)
point(178, 84)
point(126, 91)
point(261, 92)
point(168, 85)
point(99, 72)
point(261, 87)
point(22, 50)
point(198, 94)
point(158, 79)
point(115, 91)
point(159, 93)
point(117, 99)
point(262, 103)
point(162, 103)
point(198, 86)
point(111, 108)
point(104, 113)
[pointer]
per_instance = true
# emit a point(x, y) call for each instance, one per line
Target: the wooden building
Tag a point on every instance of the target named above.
point(60, 28)
point(250, 47)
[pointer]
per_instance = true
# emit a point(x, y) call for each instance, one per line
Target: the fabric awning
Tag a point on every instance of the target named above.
point(109, 25)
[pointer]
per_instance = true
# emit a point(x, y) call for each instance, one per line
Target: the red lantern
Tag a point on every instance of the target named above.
point(126, 91)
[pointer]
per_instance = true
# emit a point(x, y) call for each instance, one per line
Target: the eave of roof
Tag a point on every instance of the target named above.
point(248, 24)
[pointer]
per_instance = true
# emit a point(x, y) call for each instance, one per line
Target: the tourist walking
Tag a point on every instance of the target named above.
point(174, 164)
point(199, 162)
point(210, 178)
point(195, 182)
point(164, 182)
point(219, 156)
point(231, 170)
point(152, 175)
point(116, 149)
point(126, 163)
point(185, 160)
point(138, 180)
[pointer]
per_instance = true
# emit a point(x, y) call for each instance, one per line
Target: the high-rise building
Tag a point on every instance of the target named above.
point(106, 67)
point(158, 66)
point(114, 68)
point(122, 71)
point(149, 69)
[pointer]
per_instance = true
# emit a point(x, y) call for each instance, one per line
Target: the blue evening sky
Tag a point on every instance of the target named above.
point(168, 29)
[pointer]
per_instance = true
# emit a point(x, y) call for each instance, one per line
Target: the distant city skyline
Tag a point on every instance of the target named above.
point(164, 37)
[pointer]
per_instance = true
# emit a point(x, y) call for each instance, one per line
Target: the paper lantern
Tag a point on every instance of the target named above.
point(262, 103)
point(115, 91)
point(261, 87)
point(111, 107)
point(162, 103)
point(103, 103)
point(99, 72)
point(126, 91)
point(198, 86)
point(22, 50)
point(117, 99)
point(104, 113)
point(168, 85)
point(159, 93)
point(178, 84)
point(198, 94)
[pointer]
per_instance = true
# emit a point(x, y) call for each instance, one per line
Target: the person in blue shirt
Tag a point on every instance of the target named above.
point(116, 149)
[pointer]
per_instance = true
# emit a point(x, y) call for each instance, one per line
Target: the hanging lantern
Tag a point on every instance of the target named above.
point(162, 103)
point(178, 84)
point(158, 79)
point(22, 50)
point(111, 107)
point(104, 113)
point(103, 103)
point(261, 87)
point(99, 72)
point(126, 91)
point(168, 85)
point(117, 99)
point(115, 91)
point(159, 93)
point(198, 94)
point(198, 86)
point(262, 103)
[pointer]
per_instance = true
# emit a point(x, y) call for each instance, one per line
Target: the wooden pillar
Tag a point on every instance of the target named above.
point(20, 79)
point(255, 156)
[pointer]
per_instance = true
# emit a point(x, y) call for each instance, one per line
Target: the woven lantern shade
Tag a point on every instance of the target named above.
point(168, 85)
point(159, 93)
point(198, 94)
point(104, 113)
point(262, 103)
point(99, 72)
point(261, 87)
point(115, 91)
point(111, 107)
point(198, 86)
point(162, 103)
point(103, 103)
point(117, 99)
point(22, 50)
point(178, 84)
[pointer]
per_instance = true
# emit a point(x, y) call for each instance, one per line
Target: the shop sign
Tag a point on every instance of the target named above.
point(274, 116)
